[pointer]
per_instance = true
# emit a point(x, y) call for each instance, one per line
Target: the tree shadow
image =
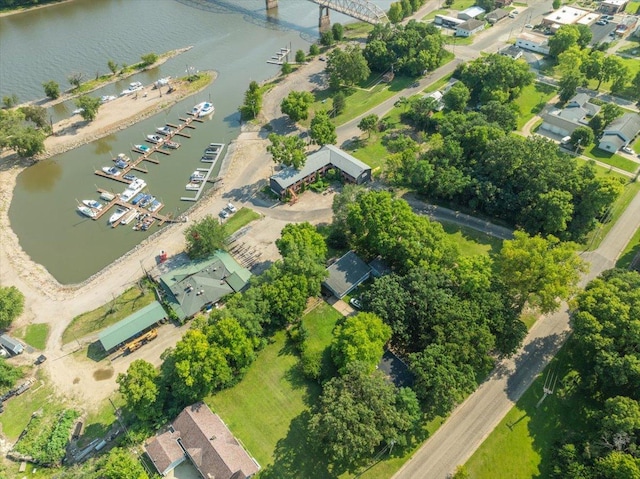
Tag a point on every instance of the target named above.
point(297, 455)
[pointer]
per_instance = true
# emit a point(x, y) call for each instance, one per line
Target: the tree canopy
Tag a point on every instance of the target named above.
point(139, 389)
point(11, 305)
point(322, 130)
point(296, 105)
point(360, 338)
point(287, 150)
point(89, 105)
point(347, 67)
point(204, 237)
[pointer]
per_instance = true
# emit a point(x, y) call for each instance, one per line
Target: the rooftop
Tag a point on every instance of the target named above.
point(130, 326)
point(470, 25)
point(346, 273)
point(565, 16)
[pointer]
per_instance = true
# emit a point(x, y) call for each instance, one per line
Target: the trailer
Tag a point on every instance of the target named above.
point(140, 341)
point(13, 346)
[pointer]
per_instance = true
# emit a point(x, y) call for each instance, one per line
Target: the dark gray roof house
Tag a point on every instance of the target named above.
point(576, 113)
point(496, 15)
point(199, 284)
point(469, 27)
point(620, 132)
point(346, 274)
point(200, 436)
point(318, 163)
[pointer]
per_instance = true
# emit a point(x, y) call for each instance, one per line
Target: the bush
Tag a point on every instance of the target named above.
point(311, 363)
point(314, 50)
point(286, 68)
point(149, 59)
point(45, 439)
point(51, 89)
point(300, 56)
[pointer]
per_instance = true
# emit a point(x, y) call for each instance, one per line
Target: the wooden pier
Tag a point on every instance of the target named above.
point(280, 57)
point(218, 147)
point(162, 219)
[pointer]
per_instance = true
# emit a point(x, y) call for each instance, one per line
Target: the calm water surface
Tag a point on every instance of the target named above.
point(233, 37)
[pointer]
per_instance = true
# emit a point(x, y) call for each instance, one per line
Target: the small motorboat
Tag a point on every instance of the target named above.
point(111, 170)
point(142, 148)
point(133, 87)
point(106, 98)
point(96, 205)
point(174, 145)
point(197, 176)
point(106, 196)
point(122, 157)
point(164, 130)
point(155, 139)
point(136, 199)
point(121, 164)
point(202, 109)
point(129, 177)
point(77, 111)
point(193, 186)
point(86, 211)
point(146, 201)
point(130, 216)
point(154, 206)
point(119, 213)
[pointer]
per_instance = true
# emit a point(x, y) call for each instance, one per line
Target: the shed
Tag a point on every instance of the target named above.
point(471, 12)
point(497, 15)
point(533, 42)
point(620, 132)
point(12, 345)
point(346, 274)
point(131, 326)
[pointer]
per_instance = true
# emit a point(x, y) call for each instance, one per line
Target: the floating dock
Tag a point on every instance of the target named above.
point(217, 151)
point(280, 57)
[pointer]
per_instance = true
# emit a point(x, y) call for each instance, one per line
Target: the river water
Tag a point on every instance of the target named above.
point(233, 37)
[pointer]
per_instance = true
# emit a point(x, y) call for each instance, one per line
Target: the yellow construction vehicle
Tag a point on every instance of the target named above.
point(140, 341)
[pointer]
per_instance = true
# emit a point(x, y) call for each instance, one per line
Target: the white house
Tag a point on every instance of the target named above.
point(533, 42)
point(577, 112)
point(620, 132)
point(469, 27)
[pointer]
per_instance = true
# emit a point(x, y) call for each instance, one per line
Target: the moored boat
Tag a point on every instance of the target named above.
point(111, 170)
point(164, 130)
point(202, 109)
point(86, 211)
point(119, 213)
point(154, 206)
point(142, 148)
point(122, 157)
point(96, 205)
point(197, 176)
point(172, 144)
point(155, 139)
point(106, 98)
point(133, 87)
point(130, 216)
point(121, 164)
point(105, 195)
point(133, 189)
point(193, 186)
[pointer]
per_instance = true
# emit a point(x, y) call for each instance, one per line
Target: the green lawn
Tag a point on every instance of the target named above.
point(632, 8)
point(240, 218)
point(632, 64)
point(636, 145)
point(610, 158)
point(531, 101)
point(633, 247)
point(319, 324)
point(432, 15)
point(371, 151)
point(357, 30)
point(471, 242)
point(122, 306)
point(35, 335)
point(520, 447)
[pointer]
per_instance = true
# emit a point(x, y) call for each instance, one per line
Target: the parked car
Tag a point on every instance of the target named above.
point(528, 25)
point(224, 213)
point(602, 22)
point(41, 359)
point(629, 150)
point(231, 208)
point(355, 303)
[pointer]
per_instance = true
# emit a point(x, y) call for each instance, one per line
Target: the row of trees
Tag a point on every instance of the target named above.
point(603, 381)
point(398, 11)
point(471, 158)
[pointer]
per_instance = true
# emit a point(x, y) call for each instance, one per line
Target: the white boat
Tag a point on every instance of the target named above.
point(85, 210)
point(202, 109)
point(133, 87)
point(193, 186)
point(127, 218)
point(111, 170)
point(105, 195)
point(135, 187)
point(142, 148)
point(106, 98)
point(77, 111)
point(164, 130)
point(120, 212)
point(96, 205)
point(122, 157)
point(155, 139)
point(171, 144)
point(197, 176)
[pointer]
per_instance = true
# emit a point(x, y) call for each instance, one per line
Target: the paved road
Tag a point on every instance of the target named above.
point(472, 421)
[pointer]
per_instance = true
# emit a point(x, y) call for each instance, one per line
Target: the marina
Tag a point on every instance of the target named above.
point(201, 176)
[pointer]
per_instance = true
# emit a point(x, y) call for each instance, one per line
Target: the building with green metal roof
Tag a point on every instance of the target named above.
point(131, 326)
point(201, 283)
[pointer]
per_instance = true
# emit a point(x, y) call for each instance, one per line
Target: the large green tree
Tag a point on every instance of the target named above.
point(347, 67)
point(322, 130)
point(204, 237)
point(357, 413)
point(11, 305)
point(368, 124)
point(360, 338)
point(252, 103)
point(90, 106)
point(121, 464)
point(51, 89)
point(287, 150)
point(296, 105)
point(566, 37)
point(139, 389)
point(540, 271)
point(457, 97)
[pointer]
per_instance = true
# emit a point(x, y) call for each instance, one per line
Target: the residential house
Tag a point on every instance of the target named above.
point(290, 180)
point(512, 51)
point(496, 15)
point(626, 25)
point(620, 132)
point(200, 436)
point(346, 274)
point(577, 112)
point(533, 42)
point(437, 96)
point(471, 12)
point(470, 27)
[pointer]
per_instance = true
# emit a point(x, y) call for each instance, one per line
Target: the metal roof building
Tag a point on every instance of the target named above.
point(131, 326)
point(12, 345)
point(198, 284)
point(346, 274)
point(316, 165)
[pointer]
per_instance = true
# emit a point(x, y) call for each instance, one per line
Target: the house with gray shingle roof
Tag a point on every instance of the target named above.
point(620, 132)
point(316, 166)
point(577, 112)
point(200, 436)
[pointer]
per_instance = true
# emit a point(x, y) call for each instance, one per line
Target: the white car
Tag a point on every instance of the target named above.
point(355, 303)
point(627, 149)
point(231, 208)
